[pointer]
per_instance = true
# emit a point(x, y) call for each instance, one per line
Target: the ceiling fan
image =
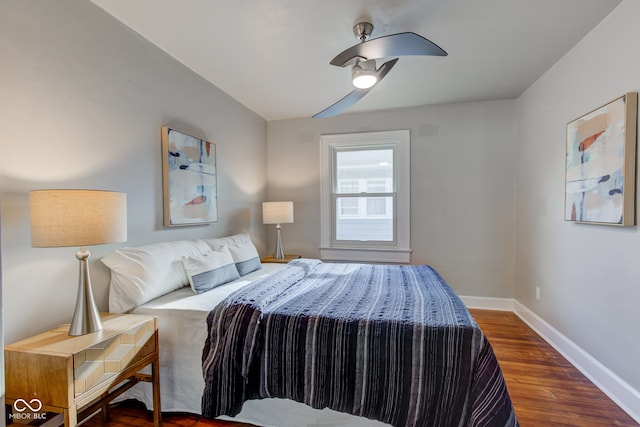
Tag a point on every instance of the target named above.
point(362, 57)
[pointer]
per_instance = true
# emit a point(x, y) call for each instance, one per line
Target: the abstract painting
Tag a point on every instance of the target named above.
point(600, 164)
point(189, 179)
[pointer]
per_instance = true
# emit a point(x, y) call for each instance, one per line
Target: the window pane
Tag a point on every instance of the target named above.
point(354, 166)
point(374, 222)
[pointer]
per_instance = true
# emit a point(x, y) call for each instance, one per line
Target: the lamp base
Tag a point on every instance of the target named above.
point(279, 252)
point(86, 317)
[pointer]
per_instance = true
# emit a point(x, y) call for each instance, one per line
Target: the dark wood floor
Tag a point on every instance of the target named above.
point(546, 389)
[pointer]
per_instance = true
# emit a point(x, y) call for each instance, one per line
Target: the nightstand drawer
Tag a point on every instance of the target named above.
point(105, 360)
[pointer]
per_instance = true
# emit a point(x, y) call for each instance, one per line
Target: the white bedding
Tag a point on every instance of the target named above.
point(182, 332)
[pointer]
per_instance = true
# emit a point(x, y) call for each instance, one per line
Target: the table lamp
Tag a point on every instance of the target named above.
point(277, 213)
point(61, 218)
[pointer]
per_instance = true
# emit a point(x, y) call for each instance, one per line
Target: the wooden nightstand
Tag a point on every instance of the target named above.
point(284, 260)
point(55, 372)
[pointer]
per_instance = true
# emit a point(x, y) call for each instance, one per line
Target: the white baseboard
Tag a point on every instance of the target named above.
point(486, 303)
point(625, 396)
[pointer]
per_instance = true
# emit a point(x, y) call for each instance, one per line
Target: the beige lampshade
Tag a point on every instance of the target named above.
point(77, 217)
point(277, 212)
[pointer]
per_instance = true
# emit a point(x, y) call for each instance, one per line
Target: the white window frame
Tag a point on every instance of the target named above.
point(398, 251)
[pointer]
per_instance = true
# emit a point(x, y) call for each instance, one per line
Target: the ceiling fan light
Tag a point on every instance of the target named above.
point(364, 74)
point(364, 79)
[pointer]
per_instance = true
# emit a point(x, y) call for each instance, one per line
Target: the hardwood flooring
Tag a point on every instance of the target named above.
point(134, 414)
point(546, 390)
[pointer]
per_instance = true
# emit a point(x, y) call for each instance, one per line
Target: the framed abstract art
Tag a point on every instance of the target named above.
point(600, 164)
point(189, 178)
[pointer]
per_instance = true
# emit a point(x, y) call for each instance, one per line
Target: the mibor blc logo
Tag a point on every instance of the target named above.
point(27, 410)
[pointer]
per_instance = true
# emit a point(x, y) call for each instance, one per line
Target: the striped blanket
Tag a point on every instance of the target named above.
point(391, 343)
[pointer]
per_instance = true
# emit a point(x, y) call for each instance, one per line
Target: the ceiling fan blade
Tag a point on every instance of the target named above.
point(344, 104)
point(355, 95)
point(385, 68)
point(401, 44)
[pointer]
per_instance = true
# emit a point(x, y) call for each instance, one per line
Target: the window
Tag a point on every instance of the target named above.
point(360, 216)
point(365, 197)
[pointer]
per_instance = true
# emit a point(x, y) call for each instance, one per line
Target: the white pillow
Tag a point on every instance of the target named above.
point(210, 269)
point(242, 250)
point(143, 273)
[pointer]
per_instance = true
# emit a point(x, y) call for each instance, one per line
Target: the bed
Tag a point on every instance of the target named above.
point(254, 358)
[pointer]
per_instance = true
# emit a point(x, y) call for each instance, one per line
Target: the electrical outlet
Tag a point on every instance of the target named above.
point(538, 293)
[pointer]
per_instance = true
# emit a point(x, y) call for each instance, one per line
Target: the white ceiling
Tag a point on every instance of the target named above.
point(273, 55)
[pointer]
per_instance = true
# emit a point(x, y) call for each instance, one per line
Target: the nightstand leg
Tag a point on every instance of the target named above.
point(70, 416)
point(155, 384)
point(106, 416)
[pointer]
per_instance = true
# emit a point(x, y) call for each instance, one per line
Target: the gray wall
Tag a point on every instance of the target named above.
point(83, 99)
point(462, 187)
point(589, 275)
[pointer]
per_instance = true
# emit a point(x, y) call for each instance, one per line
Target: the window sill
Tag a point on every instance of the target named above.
point(395, 256)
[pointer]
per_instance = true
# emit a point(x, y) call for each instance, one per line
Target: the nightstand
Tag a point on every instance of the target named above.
point(284, 260)
point(55, 372)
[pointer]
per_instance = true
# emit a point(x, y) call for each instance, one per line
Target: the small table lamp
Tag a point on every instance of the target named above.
point(62, 218)
point(277, 213)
